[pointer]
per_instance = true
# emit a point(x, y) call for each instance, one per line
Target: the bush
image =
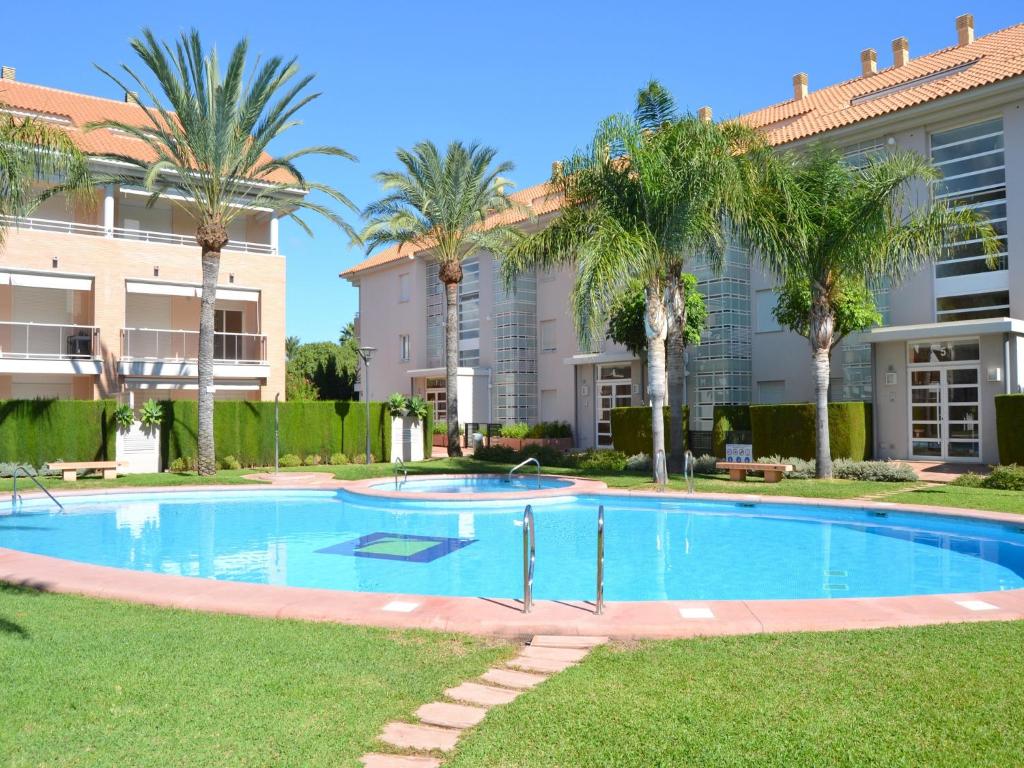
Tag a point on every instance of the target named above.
point(877, 471)
point(550, 430)
point(515, 431)
point(501, 454)
point(1009, 477)
point(970, 480)
point(705, 465)
point(728, 418)
point(547, 455)
point(599, 461)
point(312, 460)
point(789, 430)
point(289, 460)
point(639, 462)
point(440, 427)
point(631, 429)
point(803, 469)
point(1010, 428)
point(8, 468)
point(183, 464)
point(230, 462)
point(360, 458)
point(339, 458)
point(38, 431)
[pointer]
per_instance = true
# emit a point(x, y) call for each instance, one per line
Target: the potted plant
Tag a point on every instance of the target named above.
point(138, 437)
point(408, 415)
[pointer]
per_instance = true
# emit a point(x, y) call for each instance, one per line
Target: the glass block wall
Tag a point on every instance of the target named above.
point(435, 317)
point(515, 350)
point(854, 356)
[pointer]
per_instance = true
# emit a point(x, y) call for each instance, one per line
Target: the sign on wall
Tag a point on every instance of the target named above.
point(739, 452)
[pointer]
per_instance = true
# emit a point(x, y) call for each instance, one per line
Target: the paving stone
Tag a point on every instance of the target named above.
point(416, 736)
point(450, 715)
point(481, 695)
point(538, 665)
point(377, 760)
point(568, 641)
point(512, 679)
point(554, 654)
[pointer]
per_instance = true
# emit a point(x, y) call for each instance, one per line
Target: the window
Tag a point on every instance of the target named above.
point(964, 350)
point(437, 397)
point(469, 314)
point(974, 177)
point(766, 322)
point(769, 392)
point(404, 287)
point(403, 348)
point(972, 306)
point(547, 336)
point(228, 341)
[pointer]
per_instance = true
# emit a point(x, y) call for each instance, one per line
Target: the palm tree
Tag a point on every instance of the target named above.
point(830, 229)
point(651, 192)
point(442, 203)
point(32, 152)
point(291, 346)
point(208, 132)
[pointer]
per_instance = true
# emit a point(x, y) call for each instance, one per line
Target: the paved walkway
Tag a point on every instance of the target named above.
point(442, 723)
point(944, 472)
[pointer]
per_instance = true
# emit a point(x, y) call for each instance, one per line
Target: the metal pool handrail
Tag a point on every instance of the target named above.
point(599, 603)
point(688, 471)
point(14, 492)
point(522, 464)
point(400, 465)
point(529, 558)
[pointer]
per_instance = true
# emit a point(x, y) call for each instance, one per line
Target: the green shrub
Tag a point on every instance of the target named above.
point(706, 465)
point(339, 458)
point(290, 460)
point(726, 419)
point(803, 469)
point(789, 430)
point(1010, 428)
point(124, 417)
point(183, 464)
point(599, 461)
point(312, 460)
point(631, 429)
point(38, 431)
point(151, 413)
point(547, 455)
point(501, 454)
point(230, 462)
point(639, 462)
point(440, 427)
point(1008, 477)
point(876, 471)
point(970, 480)
point(516, 431)
point(360, 458)
point(550, 430)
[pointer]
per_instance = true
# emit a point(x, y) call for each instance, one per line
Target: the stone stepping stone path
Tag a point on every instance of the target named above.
point(442, 723)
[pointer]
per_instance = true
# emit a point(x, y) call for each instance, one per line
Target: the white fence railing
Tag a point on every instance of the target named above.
point(48, 341)
point(153, 344)
point(121, 233)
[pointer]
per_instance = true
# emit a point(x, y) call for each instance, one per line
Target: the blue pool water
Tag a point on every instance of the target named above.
point(655, 548)
point(474, 484)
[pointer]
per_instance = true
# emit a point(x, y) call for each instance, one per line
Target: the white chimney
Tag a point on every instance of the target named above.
point(868, 62)
point(900, 52)
point(965, 29)
point(800, 86)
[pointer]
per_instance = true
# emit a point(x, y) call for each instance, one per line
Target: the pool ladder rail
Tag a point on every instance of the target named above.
point(688, 471)
point(16, 497)
point(400, 467)
point(522, 464)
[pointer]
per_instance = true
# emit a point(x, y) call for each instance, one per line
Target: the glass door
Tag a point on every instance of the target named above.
point(614, 390)
point(944, 413)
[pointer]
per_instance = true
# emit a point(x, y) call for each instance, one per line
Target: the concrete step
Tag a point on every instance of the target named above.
point(512, 679)
point(538, 665)
point(450, 715)
point(481, 695)
point(554, 654)
point(416, 736)
point(379, 760)
point(568, 641)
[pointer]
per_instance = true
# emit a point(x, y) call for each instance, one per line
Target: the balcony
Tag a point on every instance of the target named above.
point(156, 354)
point(49, 348)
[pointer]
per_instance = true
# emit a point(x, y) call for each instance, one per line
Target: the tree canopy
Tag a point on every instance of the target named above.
point(626, 318)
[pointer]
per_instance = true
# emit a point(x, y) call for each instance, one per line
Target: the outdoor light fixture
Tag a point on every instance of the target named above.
point(366, 353)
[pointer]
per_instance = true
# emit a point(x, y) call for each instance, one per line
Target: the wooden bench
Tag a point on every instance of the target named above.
point(738, 470)
point(70, 469)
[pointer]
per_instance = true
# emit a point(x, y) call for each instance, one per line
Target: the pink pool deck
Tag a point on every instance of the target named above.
point(503, 617)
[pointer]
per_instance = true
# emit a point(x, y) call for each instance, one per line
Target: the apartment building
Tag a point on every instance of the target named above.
point(953, 335)
point(101, 300)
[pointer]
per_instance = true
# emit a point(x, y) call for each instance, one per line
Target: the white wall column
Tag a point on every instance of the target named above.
point(274, 233)
point(108, 211)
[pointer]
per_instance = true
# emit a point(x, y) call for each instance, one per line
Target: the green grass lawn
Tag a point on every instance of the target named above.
point(951, 496)
point(932, 696)
point(97, 683)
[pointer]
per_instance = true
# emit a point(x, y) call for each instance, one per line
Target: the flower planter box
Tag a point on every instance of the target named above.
point(138, 449)
point(406, 439)
point(440, 441)
point(516, 443)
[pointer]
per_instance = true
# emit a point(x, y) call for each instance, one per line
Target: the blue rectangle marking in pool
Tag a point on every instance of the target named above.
point(398, 546)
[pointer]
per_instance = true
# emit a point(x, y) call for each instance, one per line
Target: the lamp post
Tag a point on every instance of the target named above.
point(366, 353)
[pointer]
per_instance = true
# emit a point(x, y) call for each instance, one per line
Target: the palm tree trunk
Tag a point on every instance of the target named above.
point(207, 460)
point(675, 362)
point(656, 323)
point(821, 335)
point(451, 364)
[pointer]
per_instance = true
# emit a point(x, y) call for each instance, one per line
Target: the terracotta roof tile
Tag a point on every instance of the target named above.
point(73, 111)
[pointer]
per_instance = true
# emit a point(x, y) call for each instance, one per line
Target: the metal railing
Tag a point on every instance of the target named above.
point(522, 464)
point(599, 602)
point(16, 497)
point(124, 233)
point(688, 471)
point(529, 558)
point(48, 341)
point(164, 344)
point(400, 466)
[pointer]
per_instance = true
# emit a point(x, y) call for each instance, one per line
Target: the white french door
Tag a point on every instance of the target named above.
point(945, 413)
point(614, 390)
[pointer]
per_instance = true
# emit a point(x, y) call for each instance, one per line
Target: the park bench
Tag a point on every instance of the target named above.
point(69, 469)
point(738, 470)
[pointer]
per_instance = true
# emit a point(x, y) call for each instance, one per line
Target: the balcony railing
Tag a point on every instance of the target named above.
point(48, 341)
point(98, 230)
point(157, 344)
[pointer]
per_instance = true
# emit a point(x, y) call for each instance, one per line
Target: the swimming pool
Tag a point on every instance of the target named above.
point(656, 548)
point(473, 484)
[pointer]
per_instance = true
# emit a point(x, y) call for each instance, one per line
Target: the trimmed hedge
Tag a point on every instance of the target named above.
point(631, 429)
point(788, 430)
point(245, 430)
point(728, 418)
point(39, 431)
point(1010, 428)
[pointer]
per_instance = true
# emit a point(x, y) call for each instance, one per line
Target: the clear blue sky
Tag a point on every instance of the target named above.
point(530, 78)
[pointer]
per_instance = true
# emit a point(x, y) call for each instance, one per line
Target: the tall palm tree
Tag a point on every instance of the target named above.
point(209, 133)
point(650, 193)
point(442, 203)
point(33, 153)
point(831, 229)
